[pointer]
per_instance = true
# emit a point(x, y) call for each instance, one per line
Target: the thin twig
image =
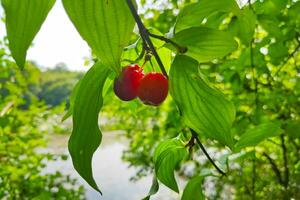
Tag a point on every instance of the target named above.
point(287, 59)
point(274, 168)
point(254, 176)
point(194, 134)
point(254, 78)
point(269, 140)
point(285, 162)
point(297, 147)
point(145, 36)
point(180, 49)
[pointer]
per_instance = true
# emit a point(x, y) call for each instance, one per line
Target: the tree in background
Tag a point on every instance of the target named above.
point(21, 118)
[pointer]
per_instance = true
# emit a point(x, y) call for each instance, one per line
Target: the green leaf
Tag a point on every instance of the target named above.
point(204, 108)
point(166, 156)
point(154, 188)
point(193, 14)
point(86, 136)
point(23, 21)
point(293, 128)
point(193, 190)
point(254, 136)
point(105, 25)
point(270, 24)
point(205, 44)
point(270, 7)
point(243, 25)
point(277, 52)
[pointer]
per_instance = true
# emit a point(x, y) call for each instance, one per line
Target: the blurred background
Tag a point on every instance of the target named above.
point(34, 160)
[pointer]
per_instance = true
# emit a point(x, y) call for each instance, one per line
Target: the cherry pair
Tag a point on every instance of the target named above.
point(152, 88)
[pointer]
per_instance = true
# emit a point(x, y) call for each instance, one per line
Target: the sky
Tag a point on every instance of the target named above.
point(57, 42)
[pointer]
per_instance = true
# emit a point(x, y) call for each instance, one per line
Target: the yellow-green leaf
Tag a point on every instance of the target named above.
point(255, 135)
point(204, 108)
point(193, 14)
point(205, 44)
point(166, 156)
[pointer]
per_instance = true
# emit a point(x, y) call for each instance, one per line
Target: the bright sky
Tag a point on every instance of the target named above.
point(57, 42)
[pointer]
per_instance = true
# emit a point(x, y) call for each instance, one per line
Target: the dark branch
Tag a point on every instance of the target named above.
point(145, 36)
point(194, 135)
point(253, 176)
point(269, 140)
point(288, 58)
point(254, 78)
point(285, 162)
point(274, 168)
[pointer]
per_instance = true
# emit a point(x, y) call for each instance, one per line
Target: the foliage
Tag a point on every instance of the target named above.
point(250, 53)
point(21, 116)
point(55, 85)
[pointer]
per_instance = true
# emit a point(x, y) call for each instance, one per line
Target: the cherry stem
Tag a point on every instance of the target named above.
point(146, 39)
point(180, 49)
point(195, 136)
point(145, 36)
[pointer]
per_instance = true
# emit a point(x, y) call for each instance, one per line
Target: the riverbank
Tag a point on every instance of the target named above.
point(111, 173)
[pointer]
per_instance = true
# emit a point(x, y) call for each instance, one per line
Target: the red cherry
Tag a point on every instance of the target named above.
point(126, 85)
point(153, 88)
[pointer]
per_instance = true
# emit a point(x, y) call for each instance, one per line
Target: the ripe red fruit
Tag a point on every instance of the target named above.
point(153, 88)
point(126, 85)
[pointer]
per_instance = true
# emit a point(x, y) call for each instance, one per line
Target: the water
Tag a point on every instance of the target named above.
point(111, 173)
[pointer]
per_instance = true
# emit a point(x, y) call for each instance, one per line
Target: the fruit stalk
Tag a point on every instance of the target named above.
point(145, 36)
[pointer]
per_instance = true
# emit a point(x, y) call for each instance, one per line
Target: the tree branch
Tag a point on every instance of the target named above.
point(255, 82)
point(285, 162)
point(254, 175)
point(288, 58)
point(274, 168)
point(195, 136)
point(180, 49)
point(145, 36)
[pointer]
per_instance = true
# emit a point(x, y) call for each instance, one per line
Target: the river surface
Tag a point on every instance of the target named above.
point(111, 173)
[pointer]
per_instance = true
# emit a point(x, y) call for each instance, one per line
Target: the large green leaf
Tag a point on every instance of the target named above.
point(106, 25)
point(86, 136)
point(293, 129)
point(254, 136)
point(193, 189)
point(205, 44)
point(166, 156)
point(204, 108)
point(193, 14)
point(243, 25)
point(23, 20)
